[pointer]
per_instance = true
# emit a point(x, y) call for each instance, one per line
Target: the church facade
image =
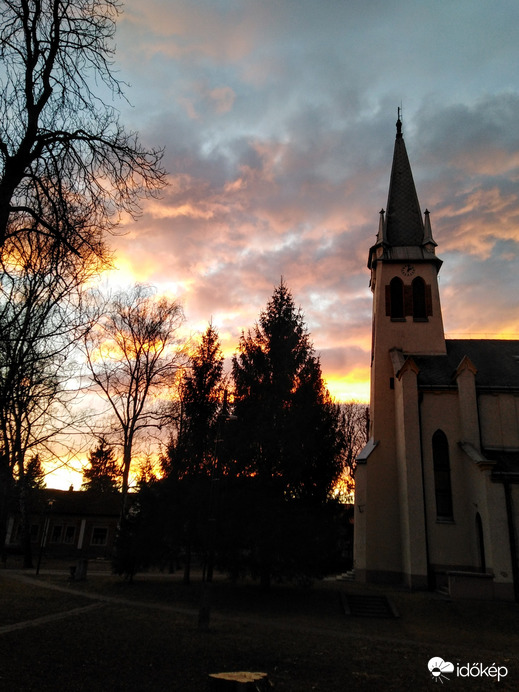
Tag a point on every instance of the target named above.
point(437, 486)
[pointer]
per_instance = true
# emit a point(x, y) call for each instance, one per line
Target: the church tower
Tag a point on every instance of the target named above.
point(390, 540)
point(404, 281)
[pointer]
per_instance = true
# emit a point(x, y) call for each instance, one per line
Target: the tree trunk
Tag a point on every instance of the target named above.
point(127, 462)
point(265, 577)
point(187, 563)
point(239, 682)
point(25, 529)
point(23, 501)
point(5, 496)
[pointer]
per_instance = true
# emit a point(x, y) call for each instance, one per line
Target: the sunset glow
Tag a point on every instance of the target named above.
point(278, 122)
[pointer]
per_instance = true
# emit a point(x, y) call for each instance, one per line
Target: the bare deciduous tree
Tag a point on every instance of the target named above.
point(41, 316)
point(355, 422)
point(67, 166)
point(133, 357)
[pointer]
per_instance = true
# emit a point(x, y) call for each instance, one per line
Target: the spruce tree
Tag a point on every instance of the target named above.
point(192, 453)
point(288, 448)
point(290, 428)
point(103, 474)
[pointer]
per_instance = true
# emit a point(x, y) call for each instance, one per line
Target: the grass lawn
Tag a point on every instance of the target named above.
point(144, 636)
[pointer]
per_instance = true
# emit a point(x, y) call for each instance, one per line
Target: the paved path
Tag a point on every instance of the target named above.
point(48, 618)
point(285, 624)
point(99, 599)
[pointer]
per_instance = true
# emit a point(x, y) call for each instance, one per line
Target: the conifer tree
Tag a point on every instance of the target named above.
point(200, 403)
point(192, 456)
point(34, 476)
point(291, 433)
point(103, 473)
point(289, 445)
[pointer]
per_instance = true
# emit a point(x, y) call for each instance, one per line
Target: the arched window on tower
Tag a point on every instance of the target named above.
point(396, 299)
point(442, 475)
point(419, 300)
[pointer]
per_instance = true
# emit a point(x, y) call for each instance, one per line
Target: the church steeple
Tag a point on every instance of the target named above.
point(402, 225)
point(404, 273)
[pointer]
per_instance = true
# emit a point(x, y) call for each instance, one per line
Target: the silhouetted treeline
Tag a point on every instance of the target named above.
point(252, 463)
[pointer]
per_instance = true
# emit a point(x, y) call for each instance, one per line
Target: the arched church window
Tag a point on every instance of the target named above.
point(442, 475)
point(481, 543)
point(419, 301)
point(396, 298)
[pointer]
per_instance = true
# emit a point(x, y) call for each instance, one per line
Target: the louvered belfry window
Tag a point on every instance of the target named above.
point(408, 300)
point(419, 300)
point(396, 299)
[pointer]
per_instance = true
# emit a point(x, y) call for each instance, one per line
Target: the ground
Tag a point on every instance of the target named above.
point(105, 634)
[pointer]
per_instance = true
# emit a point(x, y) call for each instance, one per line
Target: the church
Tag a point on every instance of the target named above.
point(437, 485)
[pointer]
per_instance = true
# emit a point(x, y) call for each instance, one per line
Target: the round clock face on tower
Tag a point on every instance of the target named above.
point(408, 270)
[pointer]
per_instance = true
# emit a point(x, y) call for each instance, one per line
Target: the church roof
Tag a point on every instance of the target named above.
point(496, 362)
point(404, 225)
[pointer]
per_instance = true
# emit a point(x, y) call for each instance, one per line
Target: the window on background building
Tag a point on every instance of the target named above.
point(99, 535)
point(56, 535)
point(70, 534)
point(442, 475)
point(419, 301)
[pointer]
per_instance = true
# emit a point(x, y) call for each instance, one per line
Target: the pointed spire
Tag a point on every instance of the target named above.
point(402, 232)
point(404, 225)
point(381, 236)
point(428, 240)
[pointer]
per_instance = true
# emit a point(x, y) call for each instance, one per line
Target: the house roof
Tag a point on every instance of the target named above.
point(496, 362)
point(86, 503)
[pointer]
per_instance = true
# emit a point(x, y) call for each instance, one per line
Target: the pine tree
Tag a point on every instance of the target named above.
point(35, 474)
point(291, 433)
point(289, 446)
point(192, 452)
point(103, 473)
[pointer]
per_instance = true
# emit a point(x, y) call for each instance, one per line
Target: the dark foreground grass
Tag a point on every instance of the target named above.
point(145, 637)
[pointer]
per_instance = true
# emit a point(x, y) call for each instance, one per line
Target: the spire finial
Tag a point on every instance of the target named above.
point(399, 123)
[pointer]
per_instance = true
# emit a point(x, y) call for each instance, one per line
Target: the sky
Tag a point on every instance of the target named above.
point(277, 118)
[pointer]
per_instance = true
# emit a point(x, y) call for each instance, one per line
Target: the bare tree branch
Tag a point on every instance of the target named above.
point(63, 154)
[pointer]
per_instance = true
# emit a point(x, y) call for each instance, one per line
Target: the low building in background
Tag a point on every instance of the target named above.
point(68, 524)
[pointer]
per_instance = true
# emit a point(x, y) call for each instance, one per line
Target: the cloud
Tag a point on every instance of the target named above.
point(277, 120)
